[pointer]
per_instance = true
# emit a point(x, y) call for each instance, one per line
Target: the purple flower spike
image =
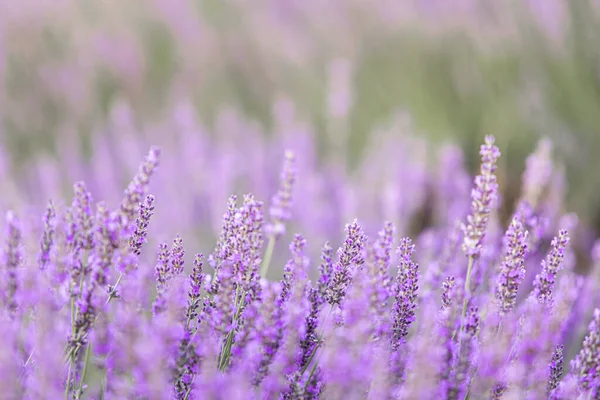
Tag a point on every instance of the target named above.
point(545, 281)
point(483, 197)
point(556, 369)
point(448, 292)
point(587, 363)
point(538, 173)
point(13, 259)
point(350, 256)
point(164, 273)
point(48, 236)
point(405, 296)
point(282, 202)
point(146, 210)
point(512, 270)
point(82, 205)
point(137, 188)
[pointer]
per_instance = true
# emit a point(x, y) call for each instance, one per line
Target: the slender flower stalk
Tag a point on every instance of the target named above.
point(483, 198)
point(280, 210)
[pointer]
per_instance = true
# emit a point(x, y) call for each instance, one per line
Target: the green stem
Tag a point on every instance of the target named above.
point(264, 268)
point(68, 384)
point(466, 295)
point(86, 360)
point(225, 355)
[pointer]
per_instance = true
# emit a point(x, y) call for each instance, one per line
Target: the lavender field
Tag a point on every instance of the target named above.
point(299, 200)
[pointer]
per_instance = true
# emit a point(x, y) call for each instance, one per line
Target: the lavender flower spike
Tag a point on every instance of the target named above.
point(587, 363)
point(556, 369)
point(280, 210)
point(483, 196)
point(47, 240)
point(138, 186)
point(512, 270)
point(281, 204)
point(407, 285)
point(545, 280)
point(138, 238)
point(12, 259)
point(349, 256)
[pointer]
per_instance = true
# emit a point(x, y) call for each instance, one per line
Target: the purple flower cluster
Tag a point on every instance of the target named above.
point(84, 315)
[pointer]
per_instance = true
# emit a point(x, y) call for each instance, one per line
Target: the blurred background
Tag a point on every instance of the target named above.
point(72, 71)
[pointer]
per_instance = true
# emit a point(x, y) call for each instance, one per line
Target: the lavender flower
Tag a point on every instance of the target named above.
point(556, 369)
point(231, 333)
point(538, 172)
point(138, 238)
point(325, 269)
point(512, 270)
point(465, 360)
point(483, 197)
point(82, 204)
point(349, 258)
point(164, 273)
point(13, 260)
point(281, 204)
point(544, 282)
point(586, 365)
point(405, 293)
point(48, 236)
point(138, 186)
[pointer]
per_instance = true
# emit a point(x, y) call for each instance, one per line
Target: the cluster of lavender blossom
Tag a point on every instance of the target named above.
point(478, 314)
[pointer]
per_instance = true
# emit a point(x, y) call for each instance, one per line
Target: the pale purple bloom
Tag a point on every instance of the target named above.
point(282, 202)
point(483, 198)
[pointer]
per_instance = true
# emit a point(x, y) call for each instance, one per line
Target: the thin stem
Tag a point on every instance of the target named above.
point(264, 268)
point(86, 360)
point(466, 295)
point(68, 385)
point(114, 289)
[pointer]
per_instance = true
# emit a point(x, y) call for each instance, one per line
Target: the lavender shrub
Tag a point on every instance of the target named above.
point(84, 315)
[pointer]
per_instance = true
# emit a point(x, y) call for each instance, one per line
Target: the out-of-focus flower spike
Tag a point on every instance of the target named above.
point(82, 205)
point(586, 365)
point(48, 236)
point(538, 172)
point(282, 202)
point(280, 210)
point(137, 188)
point(12, 260)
